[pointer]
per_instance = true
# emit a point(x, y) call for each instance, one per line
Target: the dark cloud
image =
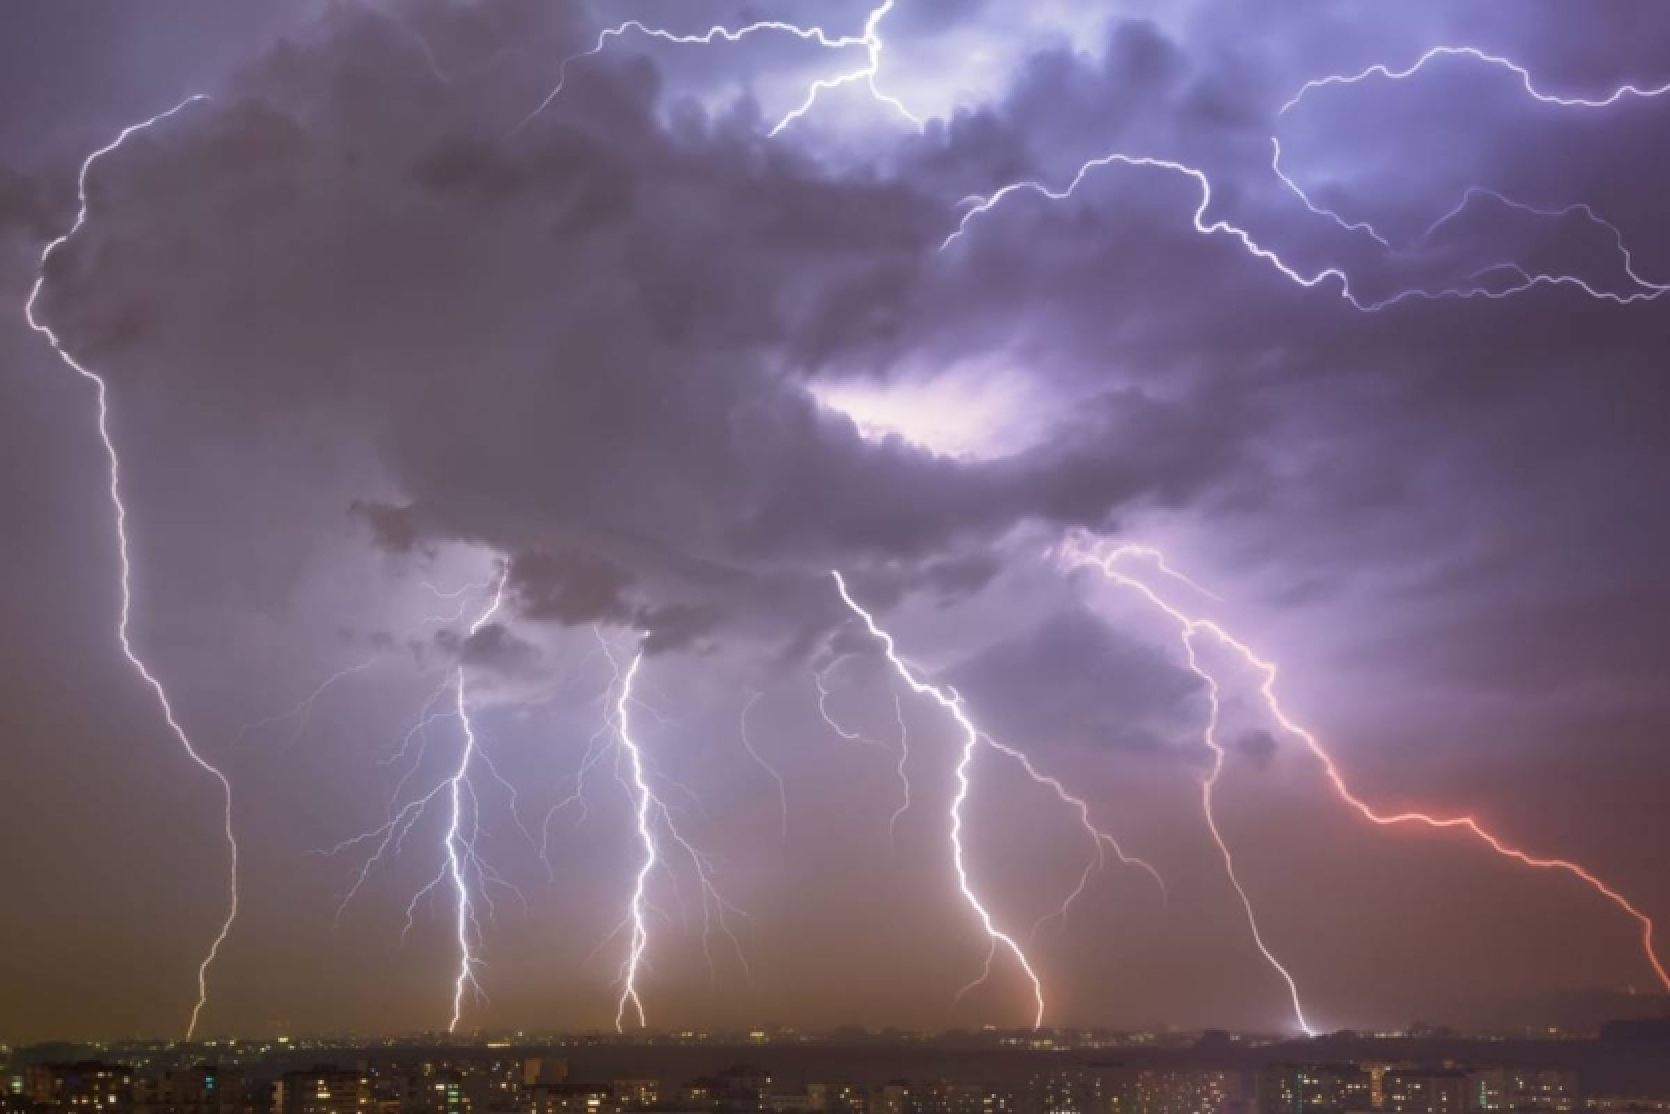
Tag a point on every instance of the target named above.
point(1071, 680)
point(595, 330)
point(394, 529)
point(569, 586)
point(494, 647)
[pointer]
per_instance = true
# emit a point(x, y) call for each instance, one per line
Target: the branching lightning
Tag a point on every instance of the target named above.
point(1102, 842)
point(462, 868)
point(645, 803)
point(1475, 287)
point(868, 74)
point(979, 206)
point(1645, 290)
point(460, 845)
point(820, 679)
point(901, 768)
point(771, 771)
point(953, 704)
point(901, 771)
point(653, 817)
point(656, 825)
point(125, 579)
point(302, 713)
point(1111, 563)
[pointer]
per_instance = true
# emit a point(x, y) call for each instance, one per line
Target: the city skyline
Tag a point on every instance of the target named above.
point(544, 516)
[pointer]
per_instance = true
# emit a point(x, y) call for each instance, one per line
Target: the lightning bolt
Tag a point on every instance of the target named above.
point(901, 771)
point(1496, 60)
point(771, 771)
point(953, 704)
point(1191, 627)
point(901, 768)
point(1298, 191)
point(1101, 841)
point(302, 712)
point(459, 846)
point(978, 206)
point(645, 802)
point(869, 74)
point(1645, 290)
point(460, 859)
point(819, 678)
point(125, 579)
point(459, 596)
point(652, 815)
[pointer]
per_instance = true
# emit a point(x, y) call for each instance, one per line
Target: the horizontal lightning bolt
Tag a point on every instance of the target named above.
point(979, 206)
point(1524, 280)
point(868, 74)
point(1190, 627)
point(125, 579)
point(1646, 291)
point(1496, 60)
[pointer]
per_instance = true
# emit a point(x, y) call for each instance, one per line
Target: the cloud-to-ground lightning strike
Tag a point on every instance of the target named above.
point(651, 814)
point(460, 860)
point(1101, 841)
point(953, 704)
point(643, 803)
point(870, 42)
point(1190, 627)
point(125, 579)
point(459, 846)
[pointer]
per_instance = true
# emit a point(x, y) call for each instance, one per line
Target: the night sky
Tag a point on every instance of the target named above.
point(373, 349)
